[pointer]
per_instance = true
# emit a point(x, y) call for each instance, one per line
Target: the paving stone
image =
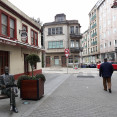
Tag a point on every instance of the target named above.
point(79, 98)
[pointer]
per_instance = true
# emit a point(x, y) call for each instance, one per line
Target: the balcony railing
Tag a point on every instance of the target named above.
point(93, 26)
point(94, 43)
point(75, 49)
point(94, 34)
point(75, 36)
point(93, 17)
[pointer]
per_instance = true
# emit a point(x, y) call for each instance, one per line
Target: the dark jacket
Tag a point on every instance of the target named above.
point(6, 81)
point(106, 70)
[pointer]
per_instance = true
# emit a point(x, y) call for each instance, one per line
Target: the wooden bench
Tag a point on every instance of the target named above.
point(5, 96)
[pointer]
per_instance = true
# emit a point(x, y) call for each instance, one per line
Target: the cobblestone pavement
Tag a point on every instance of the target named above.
point(80, 97)
point(76, 94)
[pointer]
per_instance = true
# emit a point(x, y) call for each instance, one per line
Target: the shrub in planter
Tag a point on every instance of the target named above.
point(23, 77)
point(31, 88)
point(32, 59)
point(40, 76)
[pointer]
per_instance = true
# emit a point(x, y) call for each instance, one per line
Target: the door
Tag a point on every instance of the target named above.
point(47, 61)
point(56, 60)
point(4, 56)
point(25, 64)
point(63, 58)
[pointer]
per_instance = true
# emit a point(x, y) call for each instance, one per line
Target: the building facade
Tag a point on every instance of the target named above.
point(107, 30)
point(86, 44)
point(103, 32)
point(13, 47)
point(58, 36)
point(93, 21)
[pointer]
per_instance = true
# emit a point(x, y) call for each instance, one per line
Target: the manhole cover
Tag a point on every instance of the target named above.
point(85, 76)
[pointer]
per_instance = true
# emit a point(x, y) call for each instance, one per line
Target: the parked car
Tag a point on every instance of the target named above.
point(114, 64)
point(92, 66)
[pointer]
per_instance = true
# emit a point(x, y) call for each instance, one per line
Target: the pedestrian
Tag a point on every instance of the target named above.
point(106, 71)
point(7, 82)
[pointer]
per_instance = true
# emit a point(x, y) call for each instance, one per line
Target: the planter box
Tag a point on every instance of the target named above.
point(32, 89)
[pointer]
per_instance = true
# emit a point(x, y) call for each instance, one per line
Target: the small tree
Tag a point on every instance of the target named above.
point(32, 59)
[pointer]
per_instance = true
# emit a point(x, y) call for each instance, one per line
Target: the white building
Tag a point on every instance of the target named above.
point(13, 49)
point(107, 30)
point(58, 36)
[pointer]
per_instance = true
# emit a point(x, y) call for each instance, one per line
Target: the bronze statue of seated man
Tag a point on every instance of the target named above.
point(8, 88)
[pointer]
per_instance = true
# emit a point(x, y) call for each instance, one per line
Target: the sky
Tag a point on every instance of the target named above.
point(47, 9)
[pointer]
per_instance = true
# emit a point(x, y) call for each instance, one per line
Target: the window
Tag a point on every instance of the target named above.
point(93, 49)
point(12, 28)
point(24, 27)
point(34, 38)
point(70, 59)
point(105, 45)
point(49, 31)
point(77, 44)
point(115, 42)
point(55, 44)
point(59, 30)
point(56, 60)
point(72, 30)
point(7, 25)
point(96, 48)
point(72, 43)
point(4, 24)
point(55, 31)
point(114, 30)
point(110, 43)
point(76, 30)
point(62, 18)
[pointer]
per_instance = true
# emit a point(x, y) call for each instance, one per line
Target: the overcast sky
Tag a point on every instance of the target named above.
point(47, 9)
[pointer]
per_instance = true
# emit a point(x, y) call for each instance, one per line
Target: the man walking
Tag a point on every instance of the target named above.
point(106, 71)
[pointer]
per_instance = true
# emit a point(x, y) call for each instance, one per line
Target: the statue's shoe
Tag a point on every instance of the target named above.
point(15, 110)
point(11, 108)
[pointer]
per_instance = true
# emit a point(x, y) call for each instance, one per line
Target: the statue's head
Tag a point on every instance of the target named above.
point(6, 70)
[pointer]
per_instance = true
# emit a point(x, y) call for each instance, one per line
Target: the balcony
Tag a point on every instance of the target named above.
point(94, 43)
point(75, 49)
point(94, 34)
point(93, 17)
point(75, 36)
point(93, 26)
